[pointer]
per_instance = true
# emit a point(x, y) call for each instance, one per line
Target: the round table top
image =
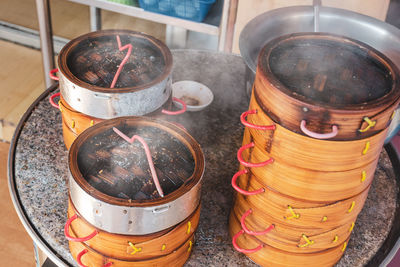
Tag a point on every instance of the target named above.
point(38, 171)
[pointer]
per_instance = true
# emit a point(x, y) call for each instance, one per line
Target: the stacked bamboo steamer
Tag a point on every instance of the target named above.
point(91, 89)
point(316, 124)
point(117, 216)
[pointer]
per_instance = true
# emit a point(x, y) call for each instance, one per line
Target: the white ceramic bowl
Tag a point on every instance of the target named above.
point(196, 95)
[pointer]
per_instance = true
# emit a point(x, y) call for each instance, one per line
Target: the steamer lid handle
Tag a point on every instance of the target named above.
point(52, 76)
point(247, 251)
point(249, 232)
point(249, 164)
point(184, 108)
point(318, 135)
point(76, 239)
point(240, 190)
point(254, 126)
point(51, 100)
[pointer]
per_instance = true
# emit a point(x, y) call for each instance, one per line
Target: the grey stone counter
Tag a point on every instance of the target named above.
point(38, 171)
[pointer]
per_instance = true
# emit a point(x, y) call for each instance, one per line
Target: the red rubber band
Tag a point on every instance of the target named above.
point(184, 108)
point(248, 251)
point(121, 48)
point(318, 135)
point(249, 164)
point(254, 126)
point(76, 239)
point(51, 100)
point(78, 258)
point(148, 155)
point(52, 76)
point(240, 190)
point(247, 231)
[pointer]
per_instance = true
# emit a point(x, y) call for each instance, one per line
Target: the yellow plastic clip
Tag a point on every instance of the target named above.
point(352, 206)
point(135, 249)
point(163, 247)
point(73, 124)
point(59, 106)
point(366, 148)
point(91, 123)
point(370, 125)
point(363, 176)
point(294, 215)
point(308, 241)
point(391, 117)
point(190, 245)
point(188, 228)
point(344, 246)
point(351, 227)
point(335, 239)
point(324, 219)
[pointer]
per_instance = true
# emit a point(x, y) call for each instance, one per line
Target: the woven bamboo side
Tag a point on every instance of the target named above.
point(270, 256)
point(93, 258)
point(130, 247)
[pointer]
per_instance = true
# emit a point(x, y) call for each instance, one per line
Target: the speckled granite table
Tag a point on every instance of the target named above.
point(38, 168)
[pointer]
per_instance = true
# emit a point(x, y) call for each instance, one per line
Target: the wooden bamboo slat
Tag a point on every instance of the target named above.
point(309, 153)
point(270, 256)
point(93, 258)
point(123, 246)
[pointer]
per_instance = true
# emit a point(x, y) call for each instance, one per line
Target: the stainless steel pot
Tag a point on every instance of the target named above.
point(129, 216)
point(270, 25)
point(147, 92)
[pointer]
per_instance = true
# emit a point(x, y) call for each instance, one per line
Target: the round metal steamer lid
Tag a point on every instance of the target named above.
point(89, 63)
point(329, 71)
point(112, 188)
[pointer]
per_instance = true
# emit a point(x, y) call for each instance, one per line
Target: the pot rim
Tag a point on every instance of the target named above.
point(66, 72)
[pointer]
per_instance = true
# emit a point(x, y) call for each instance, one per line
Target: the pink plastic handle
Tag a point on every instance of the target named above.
point(51, 100)
point(318, 135)
point(250, 125)
point(78, 258)
point(184, 108)
point(240, 190)
point(247, 231)
point(121, 65)
point(52, 76)
point(248, 251)
point(76, 239)
point(249, 164)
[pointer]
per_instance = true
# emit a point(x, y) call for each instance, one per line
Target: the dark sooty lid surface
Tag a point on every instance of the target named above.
point(328, 71)
point(120, 169)
point(95, 60)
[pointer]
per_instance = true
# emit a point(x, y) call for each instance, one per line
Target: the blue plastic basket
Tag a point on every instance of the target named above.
point(195, 10)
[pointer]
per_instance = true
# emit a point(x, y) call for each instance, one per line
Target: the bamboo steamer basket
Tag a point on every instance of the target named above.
point(75, 122)
point(285, 237)
point(305, 184)
point(88, 66)
point(266, 255)
point(108, 183)
point(88, 257)
point(309, 153)
point(130, 247)
point(326, 81)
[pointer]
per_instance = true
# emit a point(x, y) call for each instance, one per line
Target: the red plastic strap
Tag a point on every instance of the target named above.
point(247, 231)
point(248, 251)
point(249, 164)
point(184, 108)
point(240, 190)
point(78, 258)
point(51, 100)
point(318, 135)
point(148, 155)
point(250, 125)
point(52, 76)
point(76, 239)
point(121, 48)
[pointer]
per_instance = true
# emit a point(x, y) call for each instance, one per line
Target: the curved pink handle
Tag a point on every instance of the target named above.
point(240, 190)
point(247, 231)
point(78, 258)
point(248, 251)
point(51, 100)
point(76, 239)
point(52, 76)
point(249, 164)
point(250, 125)
point(184, 108)
point(318, 135)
